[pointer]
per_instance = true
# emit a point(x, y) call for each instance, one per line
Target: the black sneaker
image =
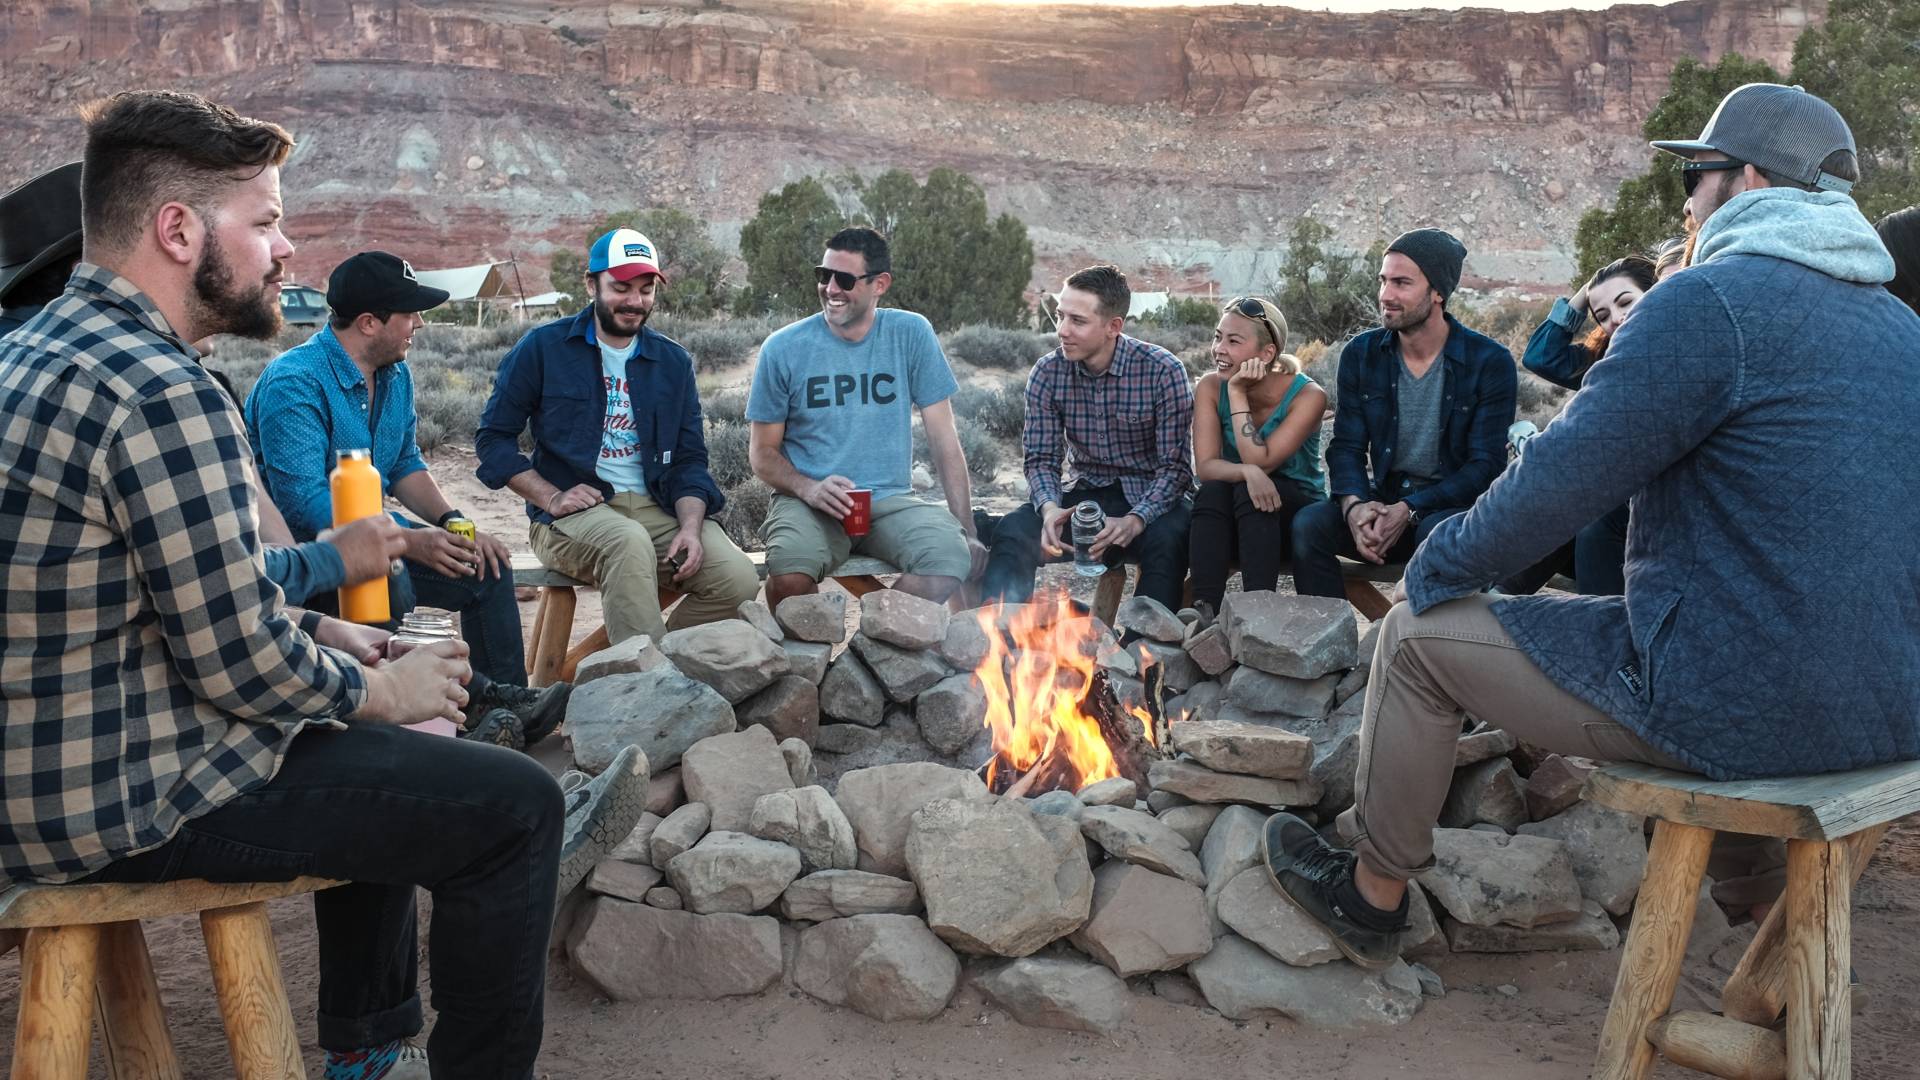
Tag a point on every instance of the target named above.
point(1317, 878)
point(499, 727)
point(539, 711)
point(600, 814)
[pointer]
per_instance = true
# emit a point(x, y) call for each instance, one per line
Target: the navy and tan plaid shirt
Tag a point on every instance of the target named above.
point(1133, 424)
point(148, 672)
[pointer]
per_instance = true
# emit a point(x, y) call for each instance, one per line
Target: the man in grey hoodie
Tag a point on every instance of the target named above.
point(1755, 409)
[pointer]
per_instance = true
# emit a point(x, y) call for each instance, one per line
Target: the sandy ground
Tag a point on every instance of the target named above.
point(1548, 1030)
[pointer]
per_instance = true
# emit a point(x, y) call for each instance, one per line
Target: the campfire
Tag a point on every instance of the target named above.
point(1060, 720)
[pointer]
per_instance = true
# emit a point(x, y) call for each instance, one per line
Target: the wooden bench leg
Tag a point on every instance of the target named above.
point(253, 1000)
point(556, 630)
point(1368, 600)
point(539, 624)
point(1819, 947)
point(55, 1028)
point(1106, 597)
point(131, 1017)
point(1757, 989)
point(1720, 1047)
point(860, 584)
point(1656, 944)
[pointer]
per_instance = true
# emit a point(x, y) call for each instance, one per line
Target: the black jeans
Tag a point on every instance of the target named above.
point(1227, 529)
point(1596, 559)
point(389, 810)
point(1321, 537)
point(1160, 551)
point(489, 616)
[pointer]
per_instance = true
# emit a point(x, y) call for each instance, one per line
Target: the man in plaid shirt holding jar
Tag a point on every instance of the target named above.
point(1109, 420)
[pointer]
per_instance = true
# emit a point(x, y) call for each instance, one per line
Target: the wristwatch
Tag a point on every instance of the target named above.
point(446, 517)
point(1413, 513)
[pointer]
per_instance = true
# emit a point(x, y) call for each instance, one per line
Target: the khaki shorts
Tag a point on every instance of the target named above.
point(918, 537)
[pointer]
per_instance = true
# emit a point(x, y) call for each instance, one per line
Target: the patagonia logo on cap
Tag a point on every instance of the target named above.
point(639, 251)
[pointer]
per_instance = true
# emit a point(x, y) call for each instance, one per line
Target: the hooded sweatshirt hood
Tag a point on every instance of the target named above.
point(1823, 231)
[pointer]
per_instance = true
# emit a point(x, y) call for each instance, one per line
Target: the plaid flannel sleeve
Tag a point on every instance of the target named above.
point(177, 489)
point(1043, 438)
point(1174, 438)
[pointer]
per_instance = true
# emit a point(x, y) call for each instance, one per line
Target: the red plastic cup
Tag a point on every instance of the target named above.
point(860, 518)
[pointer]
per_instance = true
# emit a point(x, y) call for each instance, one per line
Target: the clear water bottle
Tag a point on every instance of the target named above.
point(1088, 520)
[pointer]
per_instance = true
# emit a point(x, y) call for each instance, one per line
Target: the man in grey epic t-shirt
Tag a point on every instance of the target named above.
point(832, 413)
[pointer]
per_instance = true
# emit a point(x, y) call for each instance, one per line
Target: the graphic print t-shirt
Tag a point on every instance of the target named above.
point(849, 407)
point(619, 444)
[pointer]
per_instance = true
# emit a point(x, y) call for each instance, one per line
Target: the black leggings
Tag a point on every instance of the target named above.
point(1228, 529)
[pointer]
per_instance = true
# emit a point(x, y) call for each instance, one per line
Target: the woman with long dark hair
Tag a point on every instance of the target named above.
point(1256, 453)
point(1900, 231)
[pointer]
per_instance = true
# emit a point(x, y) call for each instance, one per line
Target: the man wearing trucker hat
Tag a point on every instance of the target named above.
point(1757, 410)
point(349, 387)
point(617, 486)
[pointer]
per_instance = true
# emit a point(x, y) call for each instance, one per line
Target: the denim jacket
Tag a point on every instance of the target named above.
point(552, 380)
point(1554, 353)
point(1478, 405)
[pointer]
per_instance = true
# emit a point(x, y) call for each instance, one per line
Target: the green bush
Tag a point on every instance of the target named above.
point(1177, 338)
point(1187, 311)
point(721, 343)
point(746, 511)
point(727, 454)
point(725, 407)
point(983, 453)
point(998, 347)
point(1000, 410)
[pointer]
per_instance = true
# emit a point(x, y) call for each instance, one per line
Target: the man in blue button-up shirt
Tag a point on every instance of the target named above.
point(348, 387)
point(1420, 421)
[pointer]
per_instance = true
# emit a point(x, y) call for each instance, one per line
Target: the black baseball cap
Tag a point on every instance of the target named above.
point(39, 224)
point(374, 281)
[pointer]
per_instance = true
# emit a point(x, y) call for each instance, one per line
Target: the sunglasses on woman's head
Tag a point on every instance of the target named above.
point(1692, 171)
point(1248, 307)
point(846, 279)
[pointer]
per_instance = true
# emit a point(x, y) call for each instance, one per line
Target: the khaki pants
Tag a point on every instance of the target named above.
point(621, 546)
point(1428, 671)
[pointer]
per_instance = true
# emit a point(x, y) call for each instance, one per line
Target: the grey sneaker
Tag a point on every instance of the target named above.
point(1317, 878)
point(499, 727)
point(539, 711)
point(410, 1065)
point(600, 814)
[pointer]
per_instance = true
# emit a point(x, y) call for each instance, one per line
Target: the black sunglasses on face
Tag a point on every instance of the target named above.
point(846, 279)
point(1692, 171)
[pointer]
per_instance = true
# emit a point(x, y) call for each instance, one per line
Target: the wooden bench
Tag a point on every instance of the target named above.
point(85, 955)
point(1799, 961)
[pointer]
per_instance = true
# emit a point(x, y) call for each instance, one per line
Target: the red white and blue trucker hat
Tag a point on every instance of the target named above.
point(625, 254)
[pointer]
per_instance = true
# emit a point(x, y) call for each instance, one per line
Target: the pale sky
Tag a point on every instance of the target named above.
point(1332, 5)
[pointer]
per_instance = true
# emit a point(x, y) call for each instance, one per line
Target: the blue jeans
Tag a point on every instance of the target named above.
point(1160, 549)
point(1321, 537)
point(489, 616)
point(390, 810)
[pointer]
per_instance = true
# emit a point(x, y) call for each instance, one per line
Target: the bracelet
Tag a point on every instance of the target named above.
point(1241, 412)
point(549, 504)
point(1349, 514)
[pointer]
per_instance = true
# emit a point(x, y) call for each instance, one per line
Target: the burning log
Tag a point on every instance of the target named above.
point(1130, 731)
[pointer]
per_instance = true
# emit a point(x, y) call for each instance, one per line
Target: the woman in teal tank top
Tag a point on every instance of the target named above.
point(1256, 453)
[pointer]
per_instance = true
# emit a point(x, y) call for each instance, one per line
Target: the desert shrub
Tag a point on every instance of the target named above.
point(1000, 410)
point(746, 510)
point(725, 406)
point(727, 454)
point(998, 347)
point(1538, 400)
point(1177, 339)
point(719, 343)
point(983, 453)
point(1186, 311)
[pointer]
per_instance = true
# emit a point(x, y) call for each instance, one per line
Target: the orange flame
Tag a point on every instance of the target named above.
point(1034, 690)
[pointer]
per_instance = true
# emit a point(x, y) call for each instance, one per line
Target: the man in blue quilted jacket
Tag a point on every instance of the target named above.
point(1756, 409)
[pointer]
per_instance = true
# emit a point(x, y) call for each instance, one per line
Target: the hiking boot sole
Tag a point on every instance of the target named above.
point(612, 806)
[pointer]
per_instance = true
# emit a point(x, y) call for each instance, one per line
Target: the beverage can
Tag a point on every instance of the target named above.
point(1087, 522)
point(462, 527)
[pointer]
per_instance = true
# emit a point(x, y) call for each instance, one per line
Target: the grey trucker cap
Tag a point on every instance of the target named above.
point(1782, 129)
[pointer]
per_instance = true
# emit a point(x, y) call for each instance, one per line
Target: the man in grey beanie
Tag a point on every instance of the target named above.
point(1420, 422)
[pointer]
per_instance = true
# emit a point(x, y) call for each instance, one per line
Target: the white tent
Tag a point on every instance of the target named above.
point(477, 285)
point(545, 299)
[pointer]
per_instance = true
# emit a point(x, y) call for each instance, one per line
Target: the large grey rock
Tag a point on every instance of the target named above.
point(630, 657)
point(1245, 748)
point(997, 878)
point(661, 711)
point(628, 881)
point(1191, 822)
point(845, 738)
point(889, 967)
point(1232, 845)
point(1555, 784)
point(1490, 791)
point(850, 692)
point(832, 894)
point(1301, 636)
point(965, 645)
point(730, 772)
point(1135, 837)
point(902, 673)
point(665, 792)
point(809, 821)
point(1355, 680)
point(678, 832)
point(1281, 695)
point(1141, 921)
point(1592, 930)
point(1209, 650)
point(799, 758)
point(1202, 784)
point(1482, 745)
point(1484, 878)
point(1255, 910)
point(951, 712)
point(1422, 937)
point(807, 659)
point(896, 741)
point(663, 896)
point(1150, 619)
point(759, 616)
point(1059, 993)
point(730, 656)
point(880, 803)
point(638, 845)
point(1608, 849)
point(732, 872)
point(789, 707)
point(819, 617)
point(1113, 791)
point(903, 619)
point(1244, 983)
point(1059, 803)
point(1178, 671)
point(630, 952)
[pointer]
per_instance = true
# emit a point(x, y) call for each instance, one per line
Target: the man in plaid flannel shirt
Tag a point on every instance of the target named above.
point(1114, 415)
point(165, 717)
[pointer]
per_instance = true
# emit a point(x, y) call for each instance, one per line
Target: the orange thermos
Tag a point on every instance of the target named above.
point(356, 495)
